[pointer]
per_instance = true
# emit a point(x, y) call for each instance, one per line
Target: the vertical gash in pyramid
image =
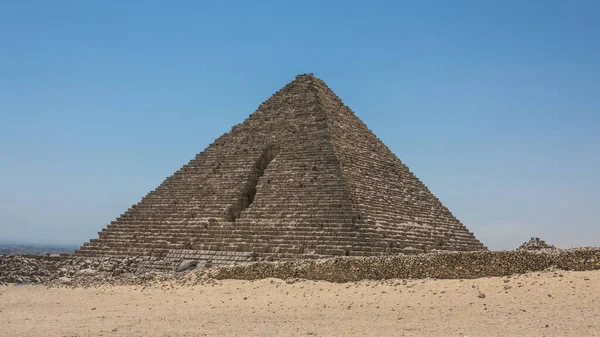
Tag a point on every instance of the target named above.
point(301, 177)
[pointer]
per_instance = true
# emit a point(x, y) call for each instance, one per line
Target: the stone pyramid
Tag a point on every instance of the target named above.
point(301, 177)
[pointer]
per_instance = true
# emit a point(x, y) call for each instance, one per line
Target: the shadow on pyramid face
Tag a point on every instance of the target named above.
point(249, 190)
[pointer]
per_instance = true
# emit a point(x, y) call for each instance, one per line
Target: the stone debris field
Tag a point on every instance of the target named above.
point(82, 271)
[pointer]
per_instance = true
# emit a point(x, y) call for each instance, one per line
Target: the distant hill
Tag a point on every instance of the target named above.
point(35, 248)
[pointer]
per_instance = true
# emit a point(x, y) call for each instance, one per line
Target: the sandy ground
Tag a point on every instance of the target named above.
point(545, 304)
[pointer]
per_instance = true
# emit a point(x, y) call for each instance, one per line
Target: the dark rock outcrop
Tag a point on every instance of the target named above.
point(535, 244)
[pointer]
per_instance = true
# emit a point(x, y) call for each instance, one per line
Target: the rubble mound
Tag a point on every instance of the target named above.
point(25, 268)
point(73, 271)
point(441, 265)
point(536, 244)
point(65, 269)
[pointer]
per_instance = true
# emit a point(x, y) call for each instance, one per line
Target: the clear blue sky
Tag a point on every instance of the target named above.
point(495, 105)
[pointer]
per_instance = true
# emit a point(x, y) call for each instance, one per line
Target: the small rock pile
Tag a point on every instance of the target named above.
point(67, 269)
point(535, 244)
point(87, 270)
point(26, 268)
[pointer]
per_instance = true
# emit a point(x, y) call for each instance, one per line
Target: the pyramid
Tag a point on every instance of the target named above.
point(301, 177)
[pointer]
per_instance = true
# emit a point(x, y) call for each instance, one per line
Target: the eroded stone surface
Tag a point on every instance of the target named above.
point(443, 265)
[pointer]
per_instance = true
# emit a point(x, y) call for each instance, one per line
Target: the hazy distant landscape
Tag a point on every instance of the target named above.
point(35, 248)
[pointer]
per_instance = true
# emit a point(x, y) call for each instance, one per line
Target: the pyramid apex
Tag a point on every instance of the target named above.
point(309, 75)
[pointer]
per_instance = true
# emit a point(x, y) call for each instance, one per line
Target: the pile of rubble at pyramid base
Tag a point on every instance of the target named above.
point(74, 271)
point(66, 269)
point(535, 244)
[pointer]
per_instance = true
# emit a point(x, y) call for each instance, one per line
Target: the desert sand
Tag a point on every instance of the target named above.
point(540, 304)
